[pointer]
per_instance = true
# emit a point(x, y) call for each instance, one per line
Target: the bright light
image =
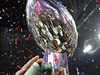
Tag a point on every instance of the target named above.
point(88, 48)
point(99, 36)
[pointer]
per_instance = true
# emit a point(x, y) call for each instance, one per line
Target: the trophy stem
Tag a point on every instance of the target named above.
point(57, 60)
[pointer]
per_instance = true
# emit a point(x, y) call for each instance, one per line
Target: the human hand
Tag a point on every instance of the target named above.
point(36, 59)
point(28, 65)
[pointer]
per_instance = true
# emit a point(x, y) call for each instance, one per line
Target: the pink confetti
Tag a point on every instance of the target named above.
point(19, 67)
point(16, 42)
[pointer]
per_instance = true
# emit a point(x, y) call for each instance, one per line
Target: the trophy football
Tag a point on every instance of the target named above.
point(54, 30)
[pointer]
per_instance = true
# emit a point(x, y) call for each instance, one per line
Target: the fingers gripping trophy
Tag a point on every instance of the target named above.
point(54, 30)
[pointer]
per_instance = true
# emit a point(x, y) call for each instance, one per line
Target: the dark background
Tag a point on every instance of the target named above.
point(17, 46)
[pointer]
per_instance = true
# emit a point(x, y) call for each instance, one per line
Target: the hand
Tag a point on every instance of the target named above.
point(31, 61)
point(27, 66)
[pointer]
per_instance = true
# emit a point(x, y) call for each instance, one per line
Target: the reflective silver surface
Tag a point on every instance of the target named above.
point(52, 26)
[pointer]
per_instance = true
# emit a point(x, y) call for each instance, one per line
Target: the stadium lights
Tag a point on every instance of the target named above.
point(88, 48)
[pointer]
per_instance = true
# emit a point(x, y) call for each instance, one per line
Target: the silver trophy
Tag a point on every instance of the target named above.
point(54, 30)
